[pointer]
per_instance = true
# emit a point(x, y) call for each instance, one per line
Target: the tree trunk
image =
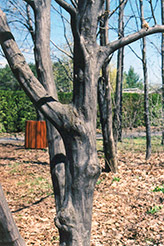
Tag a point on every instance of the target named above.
point(74, 217)
point(105, 101)
point(9, 234)
point(146, 93)
point(45, 76)
point(162, 55)
point(117, 118)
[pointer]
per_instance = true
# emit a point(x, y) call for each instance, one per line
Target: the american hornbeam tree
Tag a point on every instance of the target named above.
point(75, 171)
point(146, 92)
point(117, 117)
point(105, 99)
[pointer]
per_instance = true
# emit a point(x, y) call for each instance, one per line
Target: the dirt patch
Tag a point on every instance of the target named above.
point(126, 211)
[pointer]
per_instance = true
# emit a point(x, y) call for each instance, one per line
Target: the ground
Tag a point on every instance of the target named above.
point(128, 206)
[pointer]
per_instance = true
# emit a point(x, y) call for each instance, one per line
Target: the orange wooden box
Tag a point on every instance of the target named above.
point(35, 135)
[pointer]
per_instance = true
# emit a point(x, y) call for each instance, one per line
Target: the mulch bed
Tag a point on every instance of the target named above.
point(126, 211)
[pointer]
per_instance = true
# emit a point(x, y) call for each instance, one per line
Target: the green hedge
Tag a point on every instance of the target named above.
point(16, 108)
point(133, 110)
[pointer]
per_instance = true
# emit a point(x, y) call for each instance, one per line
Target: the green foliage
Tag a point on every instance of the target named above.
point(7, 79)
point(15, 109)
point(133, 110)
point(65, 97)
point(117, 179)
point(155, 109)
point(132, 79)
point(157, 189)
point(63, 77)
point(99, 181)
point(154, 209)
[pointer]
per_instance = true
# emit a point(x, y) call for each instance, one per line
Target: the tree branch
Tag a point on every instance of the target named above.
point(31, 3)
point(63, 51)
point(113, 46)
point(68, 7)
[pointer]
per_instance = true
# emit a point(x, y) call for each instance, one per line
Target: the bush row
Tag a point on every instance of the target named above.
point(16, 108)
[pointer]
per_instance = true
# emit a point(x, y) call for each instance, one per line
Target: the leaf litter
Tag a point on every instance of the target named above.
point(122, 202)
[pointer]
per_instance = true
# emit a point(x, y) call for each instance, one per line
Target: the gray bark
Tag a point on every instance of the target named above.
point(105, 101)
point(117, 118)
point(146, 92)
point(45, 76)
point(9, 234)
point(162, 56)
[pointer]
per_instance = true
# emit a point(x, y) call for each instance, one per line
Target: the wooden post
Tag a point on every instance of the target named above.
point(35, 135)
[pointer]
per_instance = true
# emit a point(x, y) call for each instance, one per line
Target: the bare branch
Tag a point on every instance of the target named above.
point(135, 53)
point(63, 51)
point(152, 11)
point(68, 7)
point(31, 3)
point(61, 14)
point(74, 3)
point(29, 22)
point(123, 2)
point(65, 35)
point(113, 46)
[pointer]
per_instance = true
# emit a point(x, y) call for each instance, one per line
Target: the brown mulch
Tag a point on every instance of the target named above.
point(126, 211)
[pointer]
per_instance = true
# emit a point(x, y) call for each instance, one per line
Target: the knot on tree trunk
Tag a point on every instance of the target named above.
point(66, 218)
point(93, 170)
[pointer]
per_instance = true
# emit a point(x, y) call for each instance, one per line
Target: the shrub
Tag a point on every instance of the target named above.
point(15, 109)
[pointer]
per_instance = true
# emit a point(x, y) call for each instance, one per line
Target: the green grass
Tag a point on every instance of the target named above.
point(158, 188)
point(154, 209)
point(99, 181)
point(115, 179)
point(136, 144)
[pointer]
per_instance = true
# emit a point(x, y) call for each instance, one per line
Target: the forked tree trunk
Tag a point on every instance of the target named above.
point(162, 55)
point(146, 93)
point(9, 234)
point(75, 174)
point(105, 100)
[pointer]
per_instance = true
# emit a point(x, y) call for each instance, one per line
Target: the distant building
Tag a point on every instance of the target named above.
point(133, 90)
point(155, 89)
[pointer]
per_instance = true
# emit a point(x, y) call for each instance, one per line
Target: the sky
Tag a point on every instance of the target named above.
point(57, 35)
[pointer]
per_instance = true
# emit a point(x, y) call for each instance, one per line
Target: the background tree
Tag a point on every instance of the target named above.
point(117, 118)
point(146, 92)
point(105, 100)
point(132, 79)
point(75, 172)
